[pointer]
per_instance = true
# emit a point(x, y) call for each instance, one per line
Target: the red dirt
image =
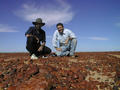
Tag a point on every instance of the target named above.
point(89, 71)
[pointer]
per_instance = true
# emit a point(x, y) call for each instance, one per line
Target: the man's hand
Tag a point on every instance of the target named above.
point(28, 35)
point(58, 49)
point(37, 39)
point(40, 48)
point(67, 40)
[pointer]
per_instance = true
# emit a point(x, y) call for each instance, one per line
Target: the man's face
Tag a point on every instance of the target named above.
point(38, 26)
point(60, 28)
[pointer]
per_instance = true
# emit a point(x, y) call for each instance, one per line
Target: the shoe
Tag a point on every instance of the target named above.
point(33, 56)
point(44, 56)
point(53, 55)
point(74, 56)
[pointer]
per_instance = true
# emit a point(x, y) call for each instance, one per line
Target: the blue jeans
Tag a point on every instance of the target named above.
point(68, 49)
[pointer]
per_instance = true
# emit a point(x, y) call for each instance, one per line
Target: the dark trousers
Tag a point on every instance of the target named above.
point(32, 46)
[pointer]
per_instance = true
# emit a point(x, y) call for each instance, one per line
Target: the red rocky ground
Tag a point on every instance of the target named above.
point(89, 71)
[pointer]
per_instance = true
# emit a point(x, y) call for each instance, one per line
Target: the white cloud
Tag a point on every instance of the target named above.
point(97, 38)
point(117, 24)
point(51, 14)
point(6, 28)
point(94, 38)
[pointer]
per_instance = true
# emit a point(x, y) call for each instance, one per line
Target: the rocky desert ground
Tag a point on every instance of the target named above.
point(88, 71)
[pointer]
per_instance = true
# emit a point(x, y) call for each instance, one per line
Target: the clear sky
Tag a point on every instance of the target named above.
point(96, 23)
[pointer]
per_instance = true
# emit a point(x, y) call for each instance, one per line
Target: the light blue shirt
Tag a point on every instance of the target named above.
point(61, 38)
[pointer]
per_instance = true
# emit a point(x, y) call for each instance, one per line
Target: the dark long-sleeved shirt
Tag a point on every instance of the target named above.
point(39, 34)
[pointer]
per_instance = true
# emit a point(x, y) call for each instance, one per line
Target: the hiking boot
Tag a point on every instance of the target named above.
point(44, 56)
point(33, 56)
point(53, 55)
point(74, 56)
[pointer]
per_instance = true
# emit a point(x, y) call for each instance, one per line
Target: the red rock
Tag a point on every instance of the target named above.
point(91, 79)
point(12, 88)
point(1, 85)
point(35, 84)
point(19, 75)
point(59, 72)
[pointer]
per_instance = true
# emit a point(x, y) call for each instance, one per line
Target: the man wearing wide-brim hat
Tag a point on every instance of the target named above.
point(36, 39)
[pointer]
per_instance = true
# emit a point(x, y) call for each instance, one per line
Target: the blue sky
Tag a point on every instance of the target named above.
point(96, 23)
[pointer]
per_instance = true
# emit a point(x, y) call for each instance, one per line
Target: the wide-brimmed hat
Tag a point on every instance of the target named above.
point(38, 21)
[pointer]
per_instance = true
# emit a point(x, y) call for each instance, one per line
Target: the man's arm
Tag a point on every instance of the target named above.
point(29, 32)
point(29, 35)
point(41, 47)
point(43, 42)
point(67, 40)
point(55, 40)
point(71, 36)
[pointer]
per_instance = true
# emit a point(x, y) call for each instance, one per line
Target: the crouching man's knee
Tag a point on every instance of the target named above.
point(74, 41)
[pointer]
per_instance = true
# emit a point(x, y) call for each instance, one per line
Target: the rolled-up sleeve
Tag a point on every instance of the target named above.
point(71, 34)
point(28, 31)
point(55, 39)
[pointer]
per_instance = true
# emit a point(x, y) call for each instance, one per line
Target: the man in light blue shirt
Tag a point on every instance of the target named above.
point(66, 39)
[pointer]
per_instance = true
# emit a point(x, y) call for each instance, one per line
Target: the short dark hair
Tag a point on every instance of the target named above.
point(59, 24)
